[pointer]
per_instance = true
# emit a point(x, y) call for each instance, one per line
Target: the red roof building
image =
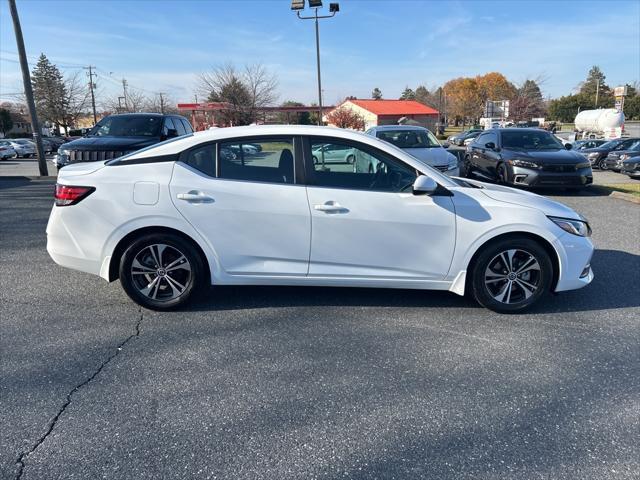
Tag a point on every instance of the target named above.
point(389, 112)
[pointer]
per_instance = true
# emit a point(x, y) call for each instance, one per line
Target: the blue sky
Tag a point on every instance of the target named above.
point(162, 45)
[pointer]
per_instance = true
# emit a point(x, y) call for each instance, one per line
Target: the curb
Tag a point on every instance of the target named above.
point(625, 196)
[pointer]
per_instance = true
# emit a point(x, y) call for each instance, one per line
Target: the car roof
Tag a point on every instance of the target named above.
point(399, 127)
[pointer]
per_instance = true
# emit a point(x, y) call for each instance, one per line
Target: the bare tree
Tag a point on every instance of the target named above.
point(243, 91)
point(76, 101)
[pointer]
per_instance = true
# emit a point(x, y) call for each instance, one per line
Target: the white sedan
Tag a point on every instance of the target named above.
point(177, 217)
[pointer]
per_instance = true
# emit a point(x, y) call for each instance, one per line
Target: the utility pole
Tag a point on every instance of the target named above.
point(28, 91)
point(91, 87)
point(161, 102)
point(124, 90)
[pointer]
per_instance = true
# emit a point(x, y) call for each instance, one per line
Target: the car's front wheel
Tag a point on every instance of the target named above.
point(511, 275)
point(161, 271)
point(603, 164)
point(465, 169)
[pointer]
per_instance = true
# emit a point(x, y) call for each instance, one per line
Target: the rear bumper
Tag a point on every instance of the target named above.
point(539, 178)
point(65, 249)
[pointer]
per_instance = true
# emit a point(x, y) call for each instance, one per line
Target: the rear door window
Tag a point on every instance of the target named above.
point(179, 126)
point(258, 160)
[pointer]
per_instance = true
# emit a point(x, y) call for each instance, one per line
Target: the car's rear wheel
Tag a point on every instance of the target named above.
point(603, 164)
point(161, 271)
point(511, 275)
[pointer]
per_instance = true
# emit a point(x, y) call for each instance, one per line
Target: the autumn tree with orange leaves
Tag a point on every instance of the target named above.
point(467, 96)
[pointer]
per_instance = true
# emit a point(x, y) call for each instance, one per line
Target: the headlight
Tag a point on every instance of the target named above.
point(583, 165)
point(624, 157)
point(575, 227)
point(523, 163)
point(592, 155)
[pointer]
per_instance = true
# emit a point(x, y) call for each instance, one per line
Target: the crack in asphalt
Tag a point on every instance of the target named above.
point(20, 462)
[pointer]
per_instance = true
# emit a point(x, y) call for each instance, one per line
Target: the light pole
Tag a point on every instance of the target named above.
point(297, 6)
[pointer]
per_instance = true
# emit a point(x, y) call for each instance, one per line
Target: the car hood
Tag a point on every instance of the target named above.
point(110, 143)
point(78, 169)
point(549, 156)
point(430, 156)
point(527, 199)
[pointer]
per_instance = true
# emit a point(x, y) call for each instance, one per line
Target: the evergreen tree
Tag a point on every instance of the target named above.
point(49, 92)
point(422, 95)
point(408, 94)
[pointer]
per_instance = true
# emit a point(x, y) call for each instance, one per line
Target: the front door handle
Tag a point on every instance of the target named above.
point(195, 196)
point(331, 207)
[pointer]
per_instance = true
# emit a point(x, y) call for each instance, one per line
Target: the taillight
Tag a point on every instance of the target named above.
point(71, 194)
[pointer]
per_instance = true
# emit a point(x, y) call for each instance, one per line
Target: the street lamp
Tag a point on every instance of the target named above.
point(298, 6)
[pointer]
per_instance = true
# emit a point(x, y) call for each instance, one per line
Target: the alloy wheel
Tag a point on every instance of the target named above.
point(512, 276)
point(160, 272)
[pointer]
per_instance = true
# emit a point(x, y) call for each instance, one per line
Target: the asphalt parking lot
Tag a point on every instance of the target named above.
point(257, 382)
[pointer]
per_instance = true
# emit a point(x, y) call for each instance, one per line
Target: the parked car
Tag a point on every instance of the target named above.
point(526, 157)
point(460, 137)
point(6, 150)
point(24, 147)
point(175, 217)
point(117, 135)
point(597, 155)
point(420, 143)
point(330, 153)
point(631, 167)
point(471, 137)
point(615, 159)
point(588, 143)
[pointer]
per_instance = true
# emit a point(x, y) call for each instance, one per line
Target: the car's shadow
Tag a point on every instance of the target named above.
point(617, 275)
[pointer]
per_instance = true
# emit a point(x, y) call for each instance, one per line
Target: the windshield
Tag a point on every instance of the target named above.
point(409, 138)
point(530, 140)
point(128, 126)
point(23, 142)
point(611, 144)
point(635, 147)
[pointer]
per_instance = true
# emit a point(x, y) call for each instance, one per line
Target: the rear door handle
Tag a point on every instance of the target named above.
point(195, 196)
point(331, 207)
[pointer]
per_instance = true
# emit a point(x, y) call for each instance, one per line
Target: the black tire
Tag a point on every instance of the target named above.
point(169, 281)
point(351, 159)
point(502, 174)
point(603, 165)
point(466, 169)
point(485, 287)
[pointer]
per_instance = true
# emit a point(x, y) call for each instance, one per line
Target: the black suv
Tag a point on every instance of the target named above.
point(118, 135)
point(527, 157)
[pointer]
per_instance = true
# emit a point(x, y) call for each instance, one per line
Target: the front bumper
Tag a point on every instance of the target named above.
point(529, 177)
point(575, 262)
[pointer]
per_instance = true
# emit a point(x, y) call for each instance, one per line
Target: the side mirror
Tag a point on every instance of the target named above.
point(446, 145)
point(568, 146)
point(172, 132)
point(490, 146)
point(424, 185)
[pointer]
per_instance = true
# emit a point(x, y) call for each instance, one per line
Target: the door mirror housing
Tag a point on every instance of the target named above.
point(172, 132)
point(424, 185)
point(568, 146)
point(446, 145)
